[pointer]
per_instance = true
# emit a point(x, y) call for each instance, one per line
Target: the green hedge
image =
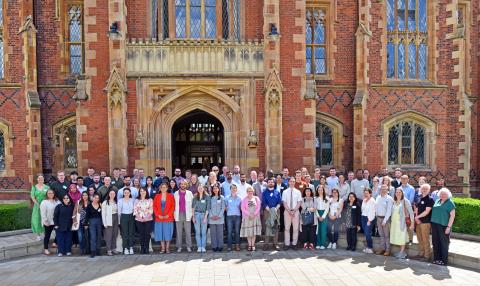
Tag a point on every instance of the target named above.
point(15, 216)
point(466, 216)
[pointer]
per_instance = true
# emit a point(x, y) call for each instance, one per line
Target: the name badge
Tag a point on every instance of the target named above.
point(271, 195)
point(219, 201)
point(99, 210)
point(354, 207)
point(422, 202)
point(203, 201)
point(230, 201)
point(65, 187)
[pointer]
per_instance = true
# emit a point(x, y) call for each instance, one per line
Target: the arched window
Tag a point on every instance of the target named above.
point(75, 44)
point(407, 38)
point(2, 151)
point(196, 19)
point(65, 133)
point(406, 144)
point(409, 140)
point(316, 41)
point(70, 147)
point(324, 145)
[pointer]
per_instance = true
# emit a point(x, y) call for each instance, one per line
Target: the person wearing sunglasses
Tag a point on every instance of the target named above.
point(64, 218)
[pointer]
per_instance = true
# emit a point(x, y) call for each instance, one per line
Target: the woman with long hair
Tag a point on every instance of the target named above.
point(110, 221)
point(308, 229)
point(251, 223)
point(163, 208)
point(368, 217)
point(37, 195)
point(83, 237)
point(93, 219)
point(401, 213)
point(201, 206)
point(216, 218)
point(352, 214)
point(127, 221)
point(334, 215)
point(322, 206)
point(172, 187)
point(47, 209)
point(143, 212)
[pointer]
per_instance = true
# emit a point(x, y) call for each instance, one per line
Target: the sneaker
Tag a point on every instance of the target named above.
point(329, 245)
point(189, 249)
point(322, 247)
point(109, 253)
point(334, 246)
point(69, 254)
point(131, 250)
point(59, 255)
point(368, 251)
point(401, 255)
point(199, 249)
point(204, 249)
point(126, 252)
point(39, 238)
point(317, 247)
point(179, 250)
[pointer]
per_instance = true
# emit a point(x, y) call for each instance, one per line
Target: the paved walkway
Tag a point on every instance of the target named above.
point(278, 268)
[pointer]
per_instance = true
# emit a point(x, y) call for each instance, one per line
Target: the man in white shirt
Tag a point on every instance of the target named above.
point(242, 186)
point(236, 174)
point(292, 199)
point(203, 178)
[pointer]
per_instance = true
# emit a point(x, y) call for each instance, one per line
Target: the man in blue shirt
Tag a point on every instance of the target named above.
point(271, 201)
point(409, 193)
point(226, 186)
point(233, 218)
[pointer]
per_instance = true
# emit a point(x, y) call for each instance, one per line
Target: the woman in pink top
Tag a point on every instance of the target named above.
point(143, 212)
point(251, 223)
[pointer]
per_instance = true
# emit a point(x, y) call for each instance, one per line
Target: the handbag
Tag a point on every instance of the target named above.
point(408, 221)
point(77, 226)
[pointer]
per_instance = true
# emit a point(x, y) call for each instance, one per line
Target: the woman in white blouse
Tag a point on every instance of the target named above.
point(322, 206)
point(368, 215)
point(110, 221)
point(47, 208)
point(334, 214)
point(127, 221)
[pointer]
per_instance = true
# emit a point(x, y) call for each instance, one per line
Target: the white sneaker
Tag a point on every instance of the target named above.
point(59, 255)
point(179, 250)
point(322, 247)
point(39, 238)
point(189, 249)
point(317, 247)
point(329, 245)
point(368, 250)
point(126, 252)
point(334, 246)
point(69, 254)
point(131, 250)
point(199, 249)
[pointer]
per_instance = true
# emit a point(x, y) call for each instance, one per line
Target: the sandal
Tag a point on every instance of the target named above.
point(249, 248)
point(46, 252)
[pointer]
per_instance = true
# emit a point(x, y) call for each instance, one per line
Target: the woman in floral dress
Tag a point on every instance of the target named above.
point(251, 223)
point(38, 194)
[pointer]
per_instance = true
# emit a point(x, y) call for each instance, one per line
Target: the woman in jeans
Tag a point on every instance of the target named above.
point(83, 237)
point(398, 228)
point(127, 221)
point(63, 218)
point(334, 215)
point(47, 208)
point(110, 221)
point(93, 219)
point(368, 215)
point(309, 229)
point(143, 212)
point(200, 205)
point(352, 215)
point(322, 205)
point(216, 218)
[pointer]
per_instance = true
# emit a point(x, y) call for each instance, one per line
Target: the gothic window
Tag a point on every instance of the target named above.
point(406, 144)
point(65, 133)
point(407, 39)
point(324, 145)
point(316, 47)
point(196, 19)
point(2, 151)
point(75, 43)
point(70, 147)
point(2, 61)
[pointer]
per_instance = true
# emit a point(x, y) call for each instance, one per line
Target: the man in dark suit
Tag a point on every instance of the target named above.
point(396, 182)
point(280, 186)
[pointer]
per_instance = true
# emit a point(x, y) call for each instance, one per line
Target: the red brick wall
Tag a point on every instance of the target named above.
point(133, 152)
point(137, 20)
point(260, 117)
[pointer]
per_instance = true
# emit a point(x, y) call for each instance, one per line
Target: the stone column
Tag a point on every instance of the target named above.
point(273, 87)
point(28, 33)
point(363, 35)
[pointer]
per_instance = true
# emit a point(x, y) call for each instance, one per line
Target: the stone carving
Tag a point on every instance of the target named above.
point(273, 88)
point(139, 139)
point(252, 139)
point(116, 88)
point(169, 108)
point(81, 90)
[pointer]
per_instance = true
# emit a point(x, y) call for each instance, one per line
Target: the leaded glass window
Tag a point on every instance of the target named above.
point(324, 145)
point(2, 151)
point(70, 147)
point(407, 39)
point(316, 41)
point(196, 19)
point(75, 44)
point(406, 144)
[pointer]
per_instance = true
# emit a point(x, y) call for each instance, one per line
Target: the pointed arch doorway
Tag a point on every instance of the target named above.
point(197, 141)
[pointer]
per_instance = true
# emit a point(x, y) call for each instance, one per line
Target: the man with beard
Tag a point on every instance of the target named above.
point(271, 201)
point(203, 178)
point(160, 176)
point(106, 188)
point(242, 187)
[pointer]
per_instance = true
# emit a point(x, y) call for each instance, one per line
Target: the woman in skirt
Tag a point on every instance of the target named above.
point(251, 223)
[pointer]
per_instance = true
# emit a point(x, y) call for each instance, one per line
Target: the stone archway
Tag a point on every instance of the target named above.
point(159, 136)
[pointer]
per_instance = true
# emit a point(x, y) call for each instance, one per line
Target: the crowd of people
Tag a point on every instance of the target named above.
point(310, 211)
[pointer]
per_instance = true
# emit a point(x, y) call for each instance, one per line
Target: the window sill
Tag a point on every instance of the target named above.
point(417, 84)
point(320, 77)
point(416, 168)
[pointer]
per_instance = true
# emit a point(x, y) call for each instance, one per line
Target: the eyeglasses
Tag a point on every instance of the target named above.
point(66, 198)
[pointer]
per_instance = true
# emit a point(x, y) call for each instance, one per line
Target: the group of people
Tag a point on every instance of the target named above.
point(308, 210)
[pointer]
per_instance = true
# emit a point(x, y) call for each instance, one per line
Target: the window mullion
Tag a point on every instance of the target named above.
point(412, 144)
point(187, 19)
point(202, 21)
point(400, 144)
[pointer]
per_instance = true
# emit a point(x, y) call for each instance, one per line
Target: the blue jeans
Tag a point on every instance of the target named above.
point(83, 238)
point(367, 230)
point(64, 241)
point(233, 222)
point(95, 232)
point(200, 230)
